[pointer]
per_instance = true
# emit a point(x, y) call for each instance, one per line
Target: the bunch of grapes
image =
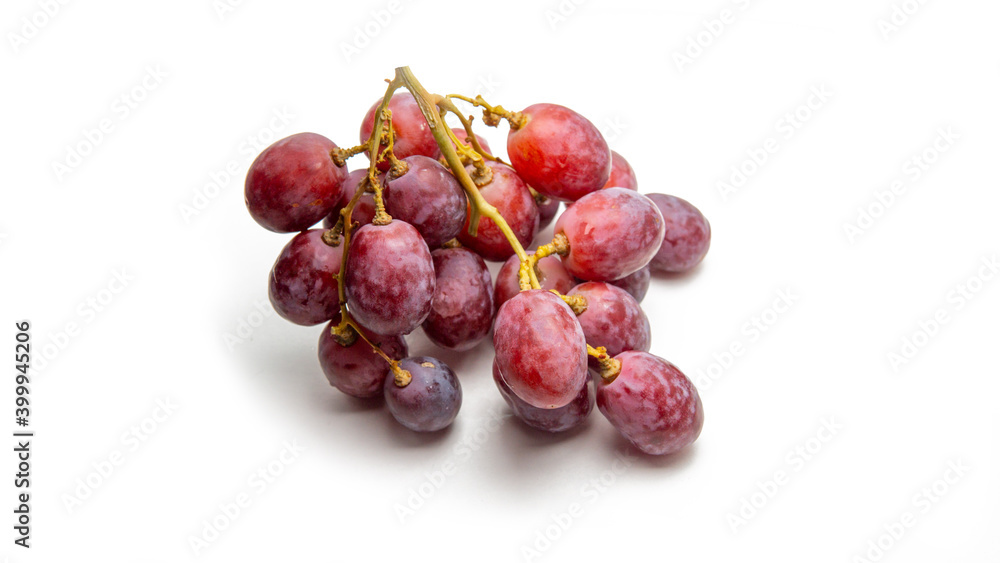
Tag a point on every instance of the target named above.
point(404, 244)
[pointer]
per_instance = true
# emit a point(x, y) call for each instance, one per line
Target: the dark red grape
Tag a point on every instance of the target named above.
point(613, 319)
point(464, 137)
point(550, 420)
point(462, 309)
point(622, 175)
point(428, 197)
point(356, 369)
point(559, 152)
point(293, 183)
point(389, 278)
point(547, 212)
point(431, 400)
point(540, 349)
point(510, 195)
point(653, 404)
point(549, 270)
point(364, 211)
point(686, 238)
point(412, 133)
point(636, 283)
point(612, 233)
point(302, 286)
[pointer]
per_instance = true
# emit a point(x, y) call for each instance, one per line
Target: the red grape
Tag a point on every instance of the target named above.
point(428, 197)
point(686, 238)
point(612, 233)
point(636, 283)
point(293, 183)
point(302, 286)
point(653, 404)
point(462, 309)
point(547, 212)
point(431, 400)
point(540, 349)
point(613, 319)
point(549, 270)
point(356, 369)
point(622, 175)
point(559, 152)
point(412, 133)
point(510, 195)
point(389, 278)
point(550, 420)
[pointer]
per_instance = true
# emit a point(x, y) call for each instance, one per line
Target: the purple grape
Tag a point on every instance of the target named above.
point(293, 183)
point(653, 404)
point(510, 195)
point(356, 369)
point(364, 211)
point(412, 133)
point(613, 319)
point(686, 238)
point(540, 349)
point(559, 152)
point(550, 420)
point(462, 309)
point(612, 233)
point(431, 400)
point(302, 286)
point(636, 283)
point(428, 197)
point(550, 271)
point(547, 212)
point(389, 278)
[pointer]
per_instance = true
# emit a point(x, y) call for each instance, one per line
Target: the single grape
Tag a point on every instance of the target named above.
point(540, 349)
point(653, 404)
point(412, 133)
point(462, 309)
point(549, 270)
point(559, 152)
point(356, 369)
point(613, 319)
point(550, 420)
point(622, 175)
point(389, 278)
point(547, 210)
point(510, 195)
point(364, 211)
point(302, 286)
point(636, 283)
point(612, 233)
point(428, 197)
point(464, 137)
point(294, 183)
point(686, 238)
point(430, 401)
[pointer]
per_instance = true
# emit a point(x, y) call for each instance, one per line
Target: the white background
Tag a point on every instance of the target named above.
point(186, 329)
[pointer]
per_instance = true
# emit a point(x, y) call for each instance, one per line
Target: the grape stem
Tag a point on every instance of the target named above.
point(609, 367)
point(493, 114)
